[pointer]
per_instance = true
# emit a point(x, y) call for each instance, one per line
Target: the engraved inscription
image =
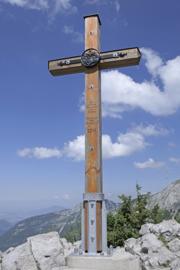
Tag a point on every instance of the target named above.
point(91, 120)
point(91, 107)
point(91, 130)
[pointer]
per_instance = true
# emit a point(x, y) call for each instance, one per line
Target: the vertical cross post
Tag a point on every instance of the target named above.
point(92, 233)
point(94, 228)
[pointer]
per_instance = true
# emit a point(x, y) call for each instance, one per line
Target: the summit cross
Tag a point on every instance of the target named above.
point(91, 62)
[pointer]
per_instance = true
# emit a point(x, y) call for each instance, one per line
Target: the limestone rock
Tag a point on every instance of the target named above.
point(19, 258)
point(146, 228)
point(150, 242)
point(67, 246)
point(174, 245)
point(158, 247)
point(133, 246)
point(169, 229)
point(175, 265)
point(46, 250)
point(165, 256)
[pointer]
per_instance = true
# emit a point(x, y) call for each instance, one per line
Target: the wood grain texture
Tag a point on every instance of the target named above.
point(132, 58)
point(93, 111)
point(93, 151)
point(93, 147)
point(85, 205)
point(99, 226)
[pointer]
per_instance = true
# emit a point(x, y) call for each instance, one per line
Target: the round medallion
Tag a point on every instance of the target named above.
point(90, 58)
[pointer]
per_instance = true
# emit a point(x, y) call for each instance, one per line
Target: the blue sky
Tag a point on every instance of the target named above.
point(42, 118)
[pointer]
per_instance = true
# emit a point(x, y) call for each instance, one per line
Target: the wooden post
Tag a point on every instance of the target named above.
point(93, 165)
point(94, 234)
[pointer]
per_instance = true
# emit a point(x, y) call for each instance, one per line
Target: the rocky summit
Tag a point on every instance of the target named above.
point(157, 248)
point(40, 252)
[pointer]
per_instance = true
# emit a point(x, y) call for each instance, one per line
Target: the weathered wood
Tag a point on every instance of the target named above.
point(85, 205)
point(99, 226)
point(131, 57)
point(126, 58)
point(93, 164)
point(93, 122)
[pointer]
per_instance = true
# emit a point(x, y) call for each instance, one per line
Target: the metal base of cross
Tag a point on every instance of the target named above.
point(94, 224)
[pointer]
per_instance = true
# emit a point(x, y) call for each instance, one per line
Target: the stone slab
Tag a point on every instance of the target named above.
point(123, 262)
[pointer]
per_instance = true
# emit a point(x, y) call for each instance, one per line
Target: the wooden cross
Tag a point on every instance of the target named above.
point(91, 62)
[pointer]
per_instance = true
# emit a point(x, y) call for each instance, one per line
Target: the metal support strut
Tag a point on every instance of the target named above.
point(90, 200)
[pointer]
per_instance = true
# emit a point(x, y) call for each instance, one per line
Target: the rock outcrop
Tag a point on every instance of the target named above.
point(40, 252)
point(158, 247)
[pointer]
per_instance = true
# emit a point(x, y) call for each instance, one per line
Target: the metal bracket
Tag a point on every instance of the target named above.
point(93, 196)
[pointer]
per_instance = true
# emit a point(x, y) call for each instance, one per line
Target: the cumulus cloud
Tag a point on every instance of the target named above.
point(40, 152)
point(126, 144)
point(52, 6)
point(151, 130)
point(76, 36)
point(149, 164)
point(75, 149)
point(121, 93)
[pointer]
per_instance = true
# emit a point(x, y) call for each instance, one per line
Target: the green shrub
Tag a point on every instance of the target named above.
point(130, 216)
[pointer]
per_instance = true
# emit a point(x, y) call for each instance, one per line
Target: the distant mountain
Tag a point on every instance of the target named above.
point(4, 226)
point(63, 222)
point(15, 215)
point(68, 222)
point(168, 198)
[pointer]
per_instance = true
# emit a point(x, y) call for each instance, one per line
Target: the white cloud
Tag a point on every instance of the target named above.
point(121, 93)
point(175, 160)
point(75, 149)
point(126, 144)
point(153, 62)
point(76, 36)
point(52, 6)
point(40, 152)
point(151, 130)
point(149, 164)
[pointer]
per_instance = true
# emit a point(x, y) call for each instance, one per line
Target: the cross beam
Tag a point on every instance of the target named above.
point(91, 62)
point(109, 59)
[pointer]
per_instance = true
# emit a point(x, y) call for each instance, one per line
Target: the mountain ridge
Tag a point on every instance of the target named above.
point(63, 222)
point(67, 221)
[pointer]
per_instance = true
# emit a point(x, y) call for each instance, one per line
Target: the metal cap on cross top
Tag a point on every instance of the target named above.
point(91, 62)
point(93, 15)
